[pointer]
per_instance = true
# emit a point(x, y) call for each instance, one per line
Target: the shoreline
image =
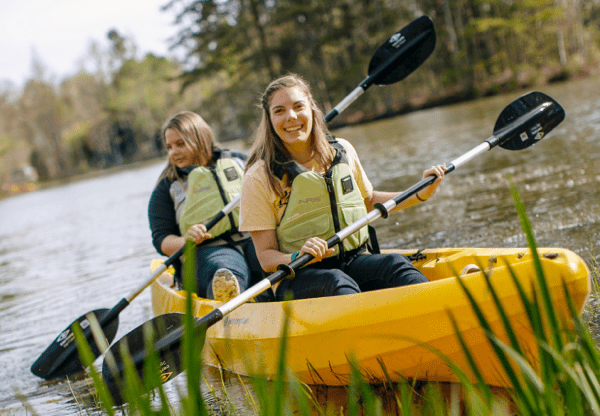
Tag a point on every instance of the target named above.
point(414, 104)
point(13, 190)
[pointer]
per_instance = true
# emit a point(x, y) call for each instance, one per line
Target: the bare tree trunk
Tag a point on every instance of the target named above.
point(452, 41)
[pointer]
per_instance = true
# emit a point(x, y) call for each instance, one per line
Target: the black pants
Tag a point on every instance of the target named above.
point(365, 272)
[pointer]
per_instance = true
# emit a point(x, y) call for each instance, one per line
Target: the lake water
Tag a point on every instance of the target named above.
point(68, 250)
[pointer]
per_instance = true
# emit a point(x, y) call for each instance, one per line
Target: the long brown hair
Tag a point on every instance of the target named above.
point(197, 135)
point(267, 143)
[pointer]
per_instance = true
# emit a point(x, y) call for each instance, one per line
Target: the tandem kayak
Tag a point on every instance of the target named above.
point(388, 332)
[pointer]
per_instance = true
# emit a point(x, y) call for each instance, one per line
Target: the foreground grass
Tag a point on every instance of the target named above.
point(564, 381)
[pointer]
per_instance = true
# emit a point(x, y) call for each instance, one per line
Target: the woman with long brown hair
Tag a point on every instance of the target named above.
point(301, 185)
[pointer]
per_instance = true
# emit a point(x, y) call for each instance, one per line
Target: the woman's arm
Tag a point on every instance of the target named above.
point(423, 195)
point(161, 217)
point(170, 244)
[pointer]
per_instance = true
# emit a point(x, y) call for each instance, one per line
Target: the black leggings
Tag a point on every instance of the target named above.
point(365, 272)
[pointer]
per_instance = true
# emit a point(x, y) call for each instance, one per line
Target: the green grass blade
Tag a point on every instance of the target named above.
point(87, 359)
point(544, 290)
point(470, 358)
point(193, 339)
point(514, 379)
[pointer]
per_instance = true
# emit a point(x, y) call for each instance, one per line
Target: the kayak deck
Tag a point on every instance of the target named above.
point(385, 331)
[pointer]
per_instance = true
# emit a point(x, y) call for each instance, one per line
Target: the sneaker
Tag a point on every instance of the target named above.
point(469, 268)
point(225, 286)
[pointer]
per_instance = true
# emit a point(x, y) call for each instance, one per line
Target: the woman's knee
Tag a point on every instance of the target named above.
point(342, 284)
point(403, 271)
point(334, 282)
point(315, 283)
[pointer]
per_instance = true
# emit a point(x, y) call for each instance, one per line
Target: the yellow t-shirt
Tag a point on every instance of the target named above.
point(261, 208)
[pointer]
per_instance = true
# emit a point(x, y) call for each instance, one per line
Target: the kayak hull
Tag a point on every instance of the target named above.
point(398, 333)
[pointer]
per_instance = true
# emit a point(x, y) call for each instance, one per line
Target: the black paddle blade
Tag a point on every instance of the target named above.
point(525, 121)
point(136, 342)
point(61, 358)
point(403, 52)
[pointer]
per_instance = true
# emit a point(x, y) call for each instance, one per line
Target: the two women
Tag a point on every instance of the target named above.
point(198, 181)
point(301, 186)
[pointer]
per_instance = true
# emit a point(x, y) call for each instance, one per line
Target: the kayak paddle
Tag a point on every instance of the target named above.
point(393, 61)
point(61, 358)
point(520, 125)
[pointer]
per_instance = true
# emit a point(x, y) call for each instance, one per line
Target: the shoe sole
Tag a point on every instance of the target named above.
point(225, 286)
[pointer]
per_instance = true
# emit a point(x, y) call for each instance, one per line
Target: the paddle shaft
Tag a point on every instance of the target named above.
point(168, 262)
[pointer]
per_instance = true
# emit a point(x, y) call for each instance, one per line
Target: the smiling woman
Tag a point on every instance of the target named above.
point(301, 186)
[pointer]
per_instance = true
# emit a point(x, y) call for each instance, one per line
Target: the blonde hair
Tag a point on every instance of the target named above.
point(267, 143)
point(197, 135)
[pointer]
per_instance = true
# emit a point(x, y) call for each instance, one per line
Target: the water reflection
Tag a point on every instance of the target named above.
point(68, 250)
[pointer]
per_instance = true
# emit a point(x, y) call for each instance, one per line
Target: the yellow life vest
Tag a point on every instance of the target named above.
point(209, 189)
point(320, 205)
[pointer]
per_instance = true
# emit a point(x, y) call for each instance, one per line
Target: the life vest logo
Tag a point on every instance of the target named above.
point(202, 189)
point(309, 200)
point(347, 185)
point(231, 174)
point(397, 40)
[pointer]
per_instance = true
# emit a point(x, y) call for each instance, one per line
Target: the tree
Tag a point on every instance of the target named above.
point(40, 111)
point(143, 94)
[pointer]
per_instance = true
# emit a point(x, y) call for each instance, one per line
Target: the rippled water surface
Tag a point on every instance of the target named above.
point(71, 249)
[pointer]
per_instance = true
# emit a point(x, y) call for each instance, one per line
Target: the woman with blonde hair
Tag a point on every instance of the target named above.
point(301, 186)
point(199, 180)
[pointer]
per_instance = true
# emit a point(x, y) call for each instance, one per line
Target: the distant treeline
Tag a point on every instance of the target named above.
point(113, 114)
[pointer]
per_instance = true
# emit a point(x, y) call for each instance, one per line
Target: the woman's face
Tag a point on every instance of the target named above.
point(291, 116)
point(180, 153)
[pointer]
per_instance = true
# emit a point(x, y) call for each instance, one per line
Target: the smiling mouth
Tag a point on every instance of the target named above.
point(293, 129)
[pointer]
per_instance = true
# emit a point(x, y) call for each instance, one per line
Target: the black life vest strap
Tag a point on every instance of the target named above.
point(284, 164)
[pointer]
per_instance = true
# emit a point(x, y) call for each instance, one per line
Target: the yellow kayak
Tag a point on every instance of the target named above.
point(385, 330)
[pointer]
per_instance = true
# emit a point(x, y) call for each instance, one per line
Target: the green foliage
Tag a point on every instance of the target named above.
point(235, 47)
point(144, 91)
